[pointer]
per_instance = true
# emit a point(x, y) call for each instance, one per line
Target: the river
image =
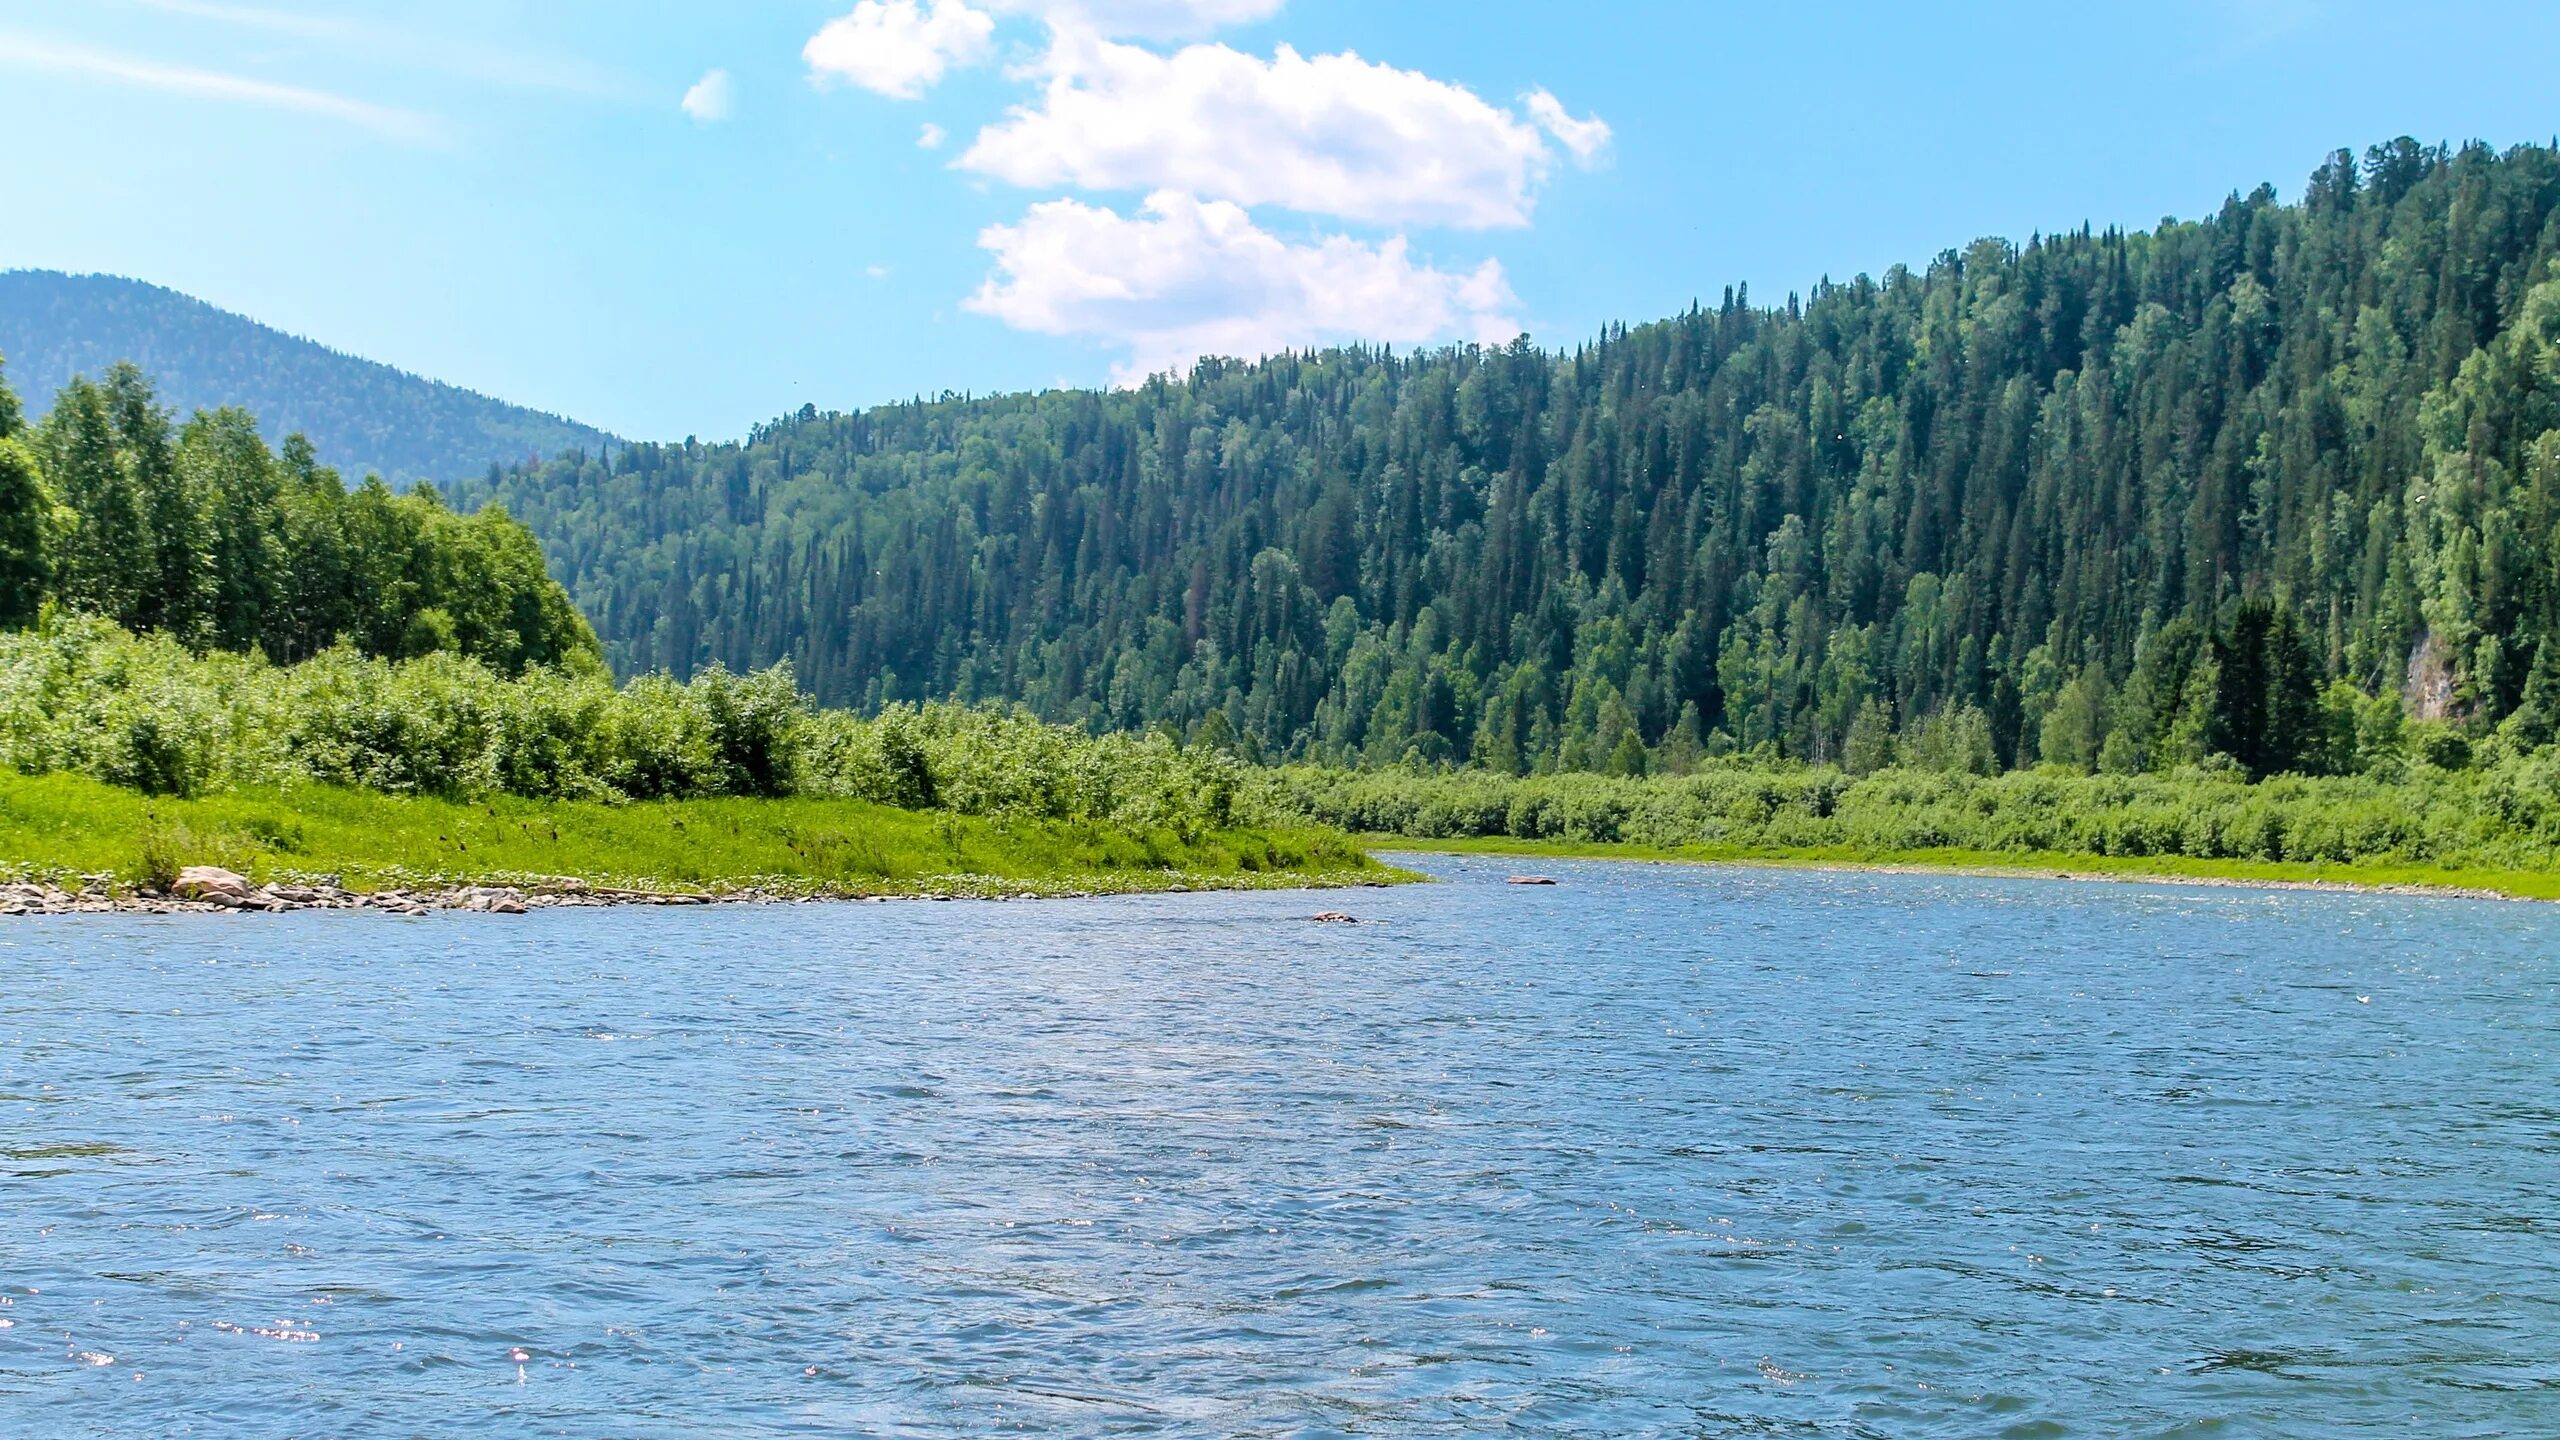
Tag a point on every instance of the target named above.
point(1659, 1150)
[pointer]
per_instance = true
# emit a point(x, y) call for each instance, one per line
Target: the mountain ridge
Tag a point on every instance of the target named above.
point(361, 415)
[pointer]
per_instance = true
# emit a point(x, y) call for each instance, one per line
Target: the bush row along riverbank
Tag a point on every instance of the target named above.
point(73, 832)
point(2495, 828)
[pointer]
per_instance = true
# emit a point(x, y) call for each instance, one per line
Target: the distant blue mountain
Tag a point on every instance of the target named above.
point(361, 416)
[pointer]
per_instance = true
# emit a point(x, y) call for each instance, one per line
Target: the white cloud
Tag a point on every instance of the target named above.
point(41, 55)
point(876, 272)
point(418, 49)
point(1190, 277)
point(930, 137)
point(709, 100)
point(898, 48)
point(1586, 138)
point(1331, 135)
point(1153, 19)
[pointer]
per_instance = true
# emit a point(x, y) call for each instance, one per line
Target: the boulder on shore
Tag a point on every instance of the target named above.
point(210, 882)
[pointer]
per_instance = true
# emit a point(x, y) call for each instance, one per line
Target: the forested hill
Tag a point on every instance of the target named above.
point(359, 416)
point(2116, 497)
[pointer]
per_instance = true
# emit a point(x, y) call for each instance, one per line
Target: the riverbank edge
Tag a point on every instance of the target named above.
point(2462, 882)
point(517, 895)
point(69, 842)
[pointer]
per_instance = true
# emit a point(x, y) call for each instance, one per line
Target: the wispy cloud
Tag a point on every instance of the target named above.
point(2248, 26)
point(29, 53)
point(423, 51)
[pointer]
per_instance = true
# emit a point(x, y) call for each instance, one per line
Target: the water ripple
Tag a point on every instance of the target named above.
point(1657, 1151)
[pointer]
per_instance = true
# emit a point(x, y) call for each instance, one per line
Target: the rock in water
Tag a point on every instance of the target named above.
point(210, 882)
point(1530, 880)
point(1335, 917)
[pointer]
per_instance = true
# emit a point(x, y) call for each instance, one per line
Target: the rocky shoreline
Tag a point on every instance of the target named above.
point(95, 898)
point(203, 890)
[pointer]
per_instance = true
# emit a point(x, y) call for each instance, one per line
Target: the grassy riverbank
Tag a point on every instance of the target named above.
point(59, 826)
point(2373, 875)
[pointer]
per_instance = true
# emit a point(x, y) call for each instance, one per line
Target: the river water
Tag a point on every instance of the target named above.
point(1656, 1151)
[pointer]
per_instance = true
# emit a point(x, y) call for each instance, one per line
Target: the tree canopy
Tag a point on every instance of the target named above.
point(200, 532)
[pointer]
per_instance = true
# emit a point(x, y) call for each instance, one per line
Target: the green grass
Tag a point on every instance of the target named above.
point(58, 826)
point(2519, 884)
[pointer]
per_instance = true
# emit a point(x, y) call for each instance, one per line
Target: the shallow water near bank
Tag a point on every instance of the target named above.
point(1660, 1150)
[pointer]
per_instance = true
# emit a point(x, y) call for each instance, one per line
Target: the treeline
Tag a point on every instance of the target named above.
point(79, 695)
point(202, 533)
point(2058, 493)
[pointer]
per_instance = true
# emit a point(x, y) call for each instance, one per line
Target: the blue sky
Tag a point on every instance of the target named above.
point(672, 219)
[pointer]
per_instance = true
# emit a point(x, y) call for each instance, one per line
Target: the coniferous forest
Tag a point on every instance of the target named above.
point(2243, 491)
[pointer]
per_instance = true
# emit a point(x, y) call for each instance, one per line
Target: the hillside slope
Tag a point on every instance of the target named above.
point(360, 416)
point(2026, 482)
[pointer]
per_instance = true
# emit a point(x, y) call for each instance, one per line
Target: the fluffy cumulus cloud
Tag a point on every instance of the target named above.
point(1131, 99)
point(1152, 19)
point(1328, 135)
point(898, 48)
point(1190, 277)
point(710, 98)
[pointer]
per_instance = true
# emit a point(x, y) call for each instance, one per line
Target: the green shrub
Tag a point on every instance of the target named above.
point(80, 695)
point(2505, 811)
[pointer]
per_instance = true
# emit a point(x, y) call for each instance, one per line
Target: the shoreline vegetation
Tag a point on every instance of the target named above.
point(69, 839)
point(2453, 882)
point(124, 758)
point(2493, 829)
